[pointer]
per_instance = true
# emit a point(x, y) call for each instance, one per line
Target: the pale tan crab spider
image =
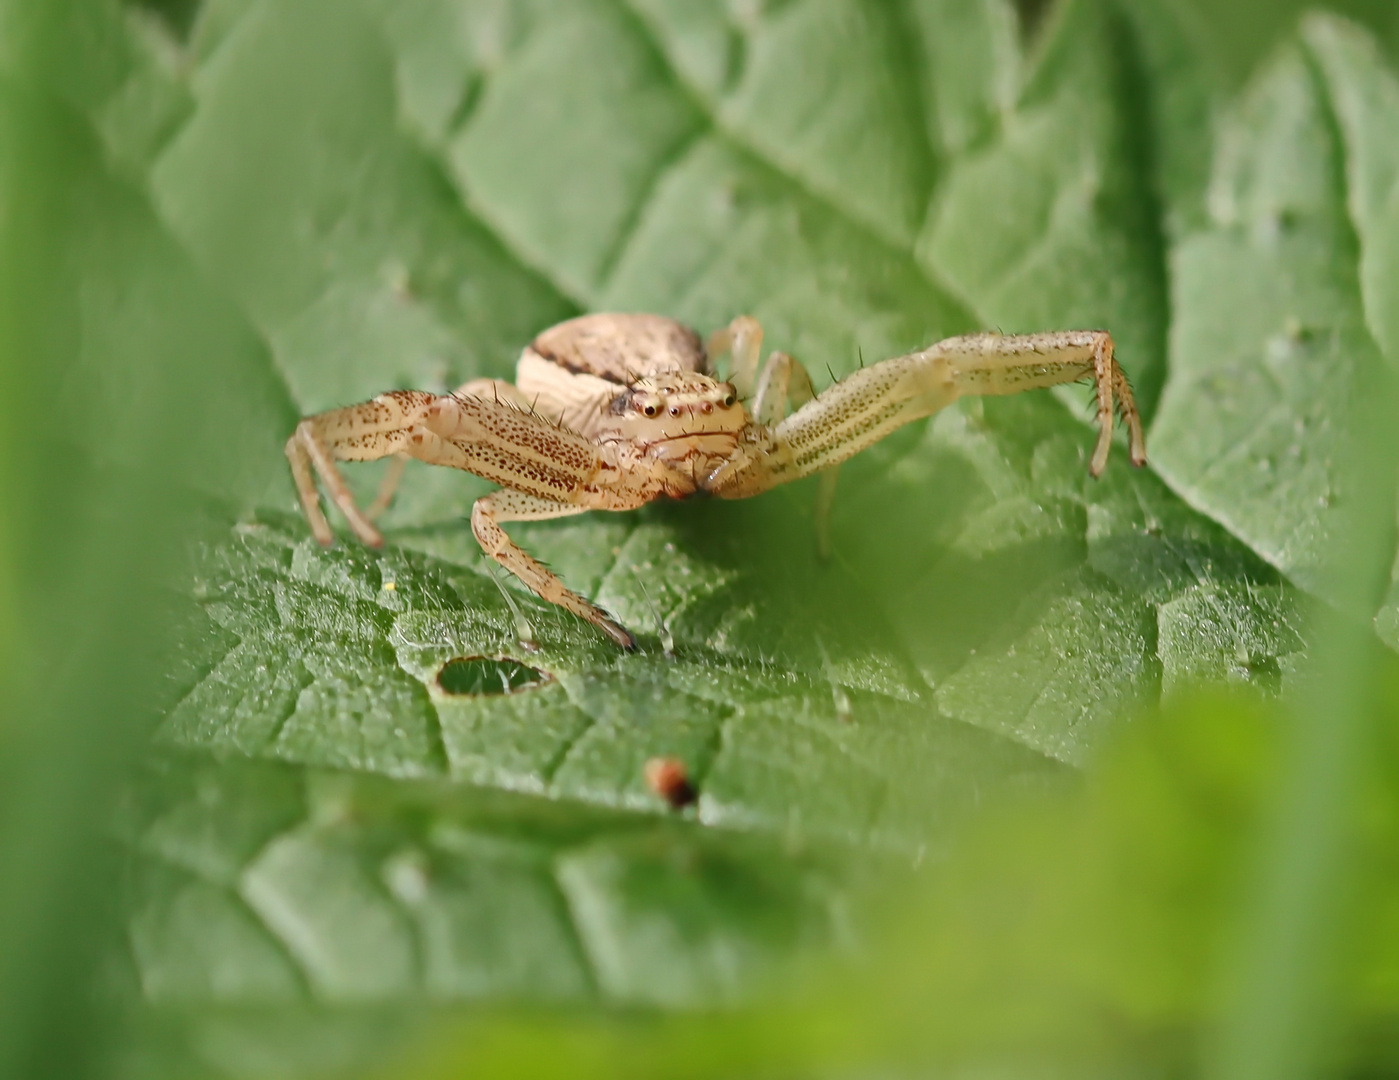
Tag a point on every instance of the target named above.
point(610, 412)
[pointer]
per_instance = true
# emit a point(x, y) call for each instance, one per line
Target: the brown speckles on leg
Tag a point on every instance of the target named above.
point(996, 364)
point(365, 432)
point(786, 384)
point(549, 472)
point(486, 516)
point(307, 440)
point(866, 406)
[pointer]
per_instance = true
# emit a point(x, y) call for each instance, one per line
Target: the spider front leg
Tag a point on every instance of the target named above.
point(549, 471)
point(743, 340)
point(499, 506)
point(497, 390)
point(873, 402)
point(490, 436)
point(785, 383)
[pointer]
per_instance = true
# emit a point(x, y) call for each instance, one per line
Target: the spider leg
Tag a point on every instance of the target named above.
point(874, 401)
point(486, 516)
point(497, 390)
point(548, 471)
point(365, 432)
point(821, 510)
point(743, 339)
point(388, 486)
point(490, 438)
point(785, 383)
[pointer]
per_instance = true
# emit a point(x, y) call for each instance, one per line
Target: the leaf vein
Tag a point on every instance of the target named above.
point(900, 245)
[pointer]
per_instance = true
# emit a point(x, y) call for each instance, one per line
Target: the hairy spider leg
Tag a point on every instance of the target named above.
point(786, 384)
point(549, 471)
point(388, 487)
point(485, 389)
point(783, 384)
point(871, 403)
point(375, 429)
point(486, 516)
point(743, 340)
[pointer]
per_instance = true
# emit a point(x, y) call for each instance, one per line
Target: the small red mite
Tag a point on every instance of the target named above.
point(668, 778)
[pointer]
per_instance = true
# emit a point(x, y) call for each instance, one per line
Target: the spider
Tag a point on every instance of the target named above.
point(610, 412)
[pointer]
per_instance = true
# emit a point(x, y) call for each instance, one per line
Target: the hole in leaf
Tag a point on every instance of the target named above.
point(483, 675)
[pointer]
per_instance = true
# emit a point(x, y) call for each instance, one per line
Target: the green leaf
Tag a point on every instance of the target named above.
point(1052, 218)
point(261, 883)
point(301, 205)
point(1018, 603)
point(1279, 304)
point(330, 668)
point(1081, 937)
point(990, 610)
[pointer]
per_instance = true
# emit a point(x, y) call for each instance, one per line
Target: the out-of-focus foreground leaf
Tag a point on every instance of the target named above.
point(1079, 936)
point(98, 325)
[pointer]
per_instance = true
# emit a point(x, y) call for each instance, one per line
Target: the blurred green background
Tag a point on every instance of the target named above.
point(1035, 777)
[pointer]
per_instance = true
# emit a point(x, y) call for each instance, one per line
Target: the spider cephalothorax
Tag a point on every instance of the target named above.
point(683, 418)
point(685, 396)
point(610, 412)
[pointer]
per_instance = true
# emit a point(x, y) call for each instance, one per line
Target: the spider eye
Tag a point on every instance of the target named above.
point(729, 399)
point(674, 411)
point(650, 410)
